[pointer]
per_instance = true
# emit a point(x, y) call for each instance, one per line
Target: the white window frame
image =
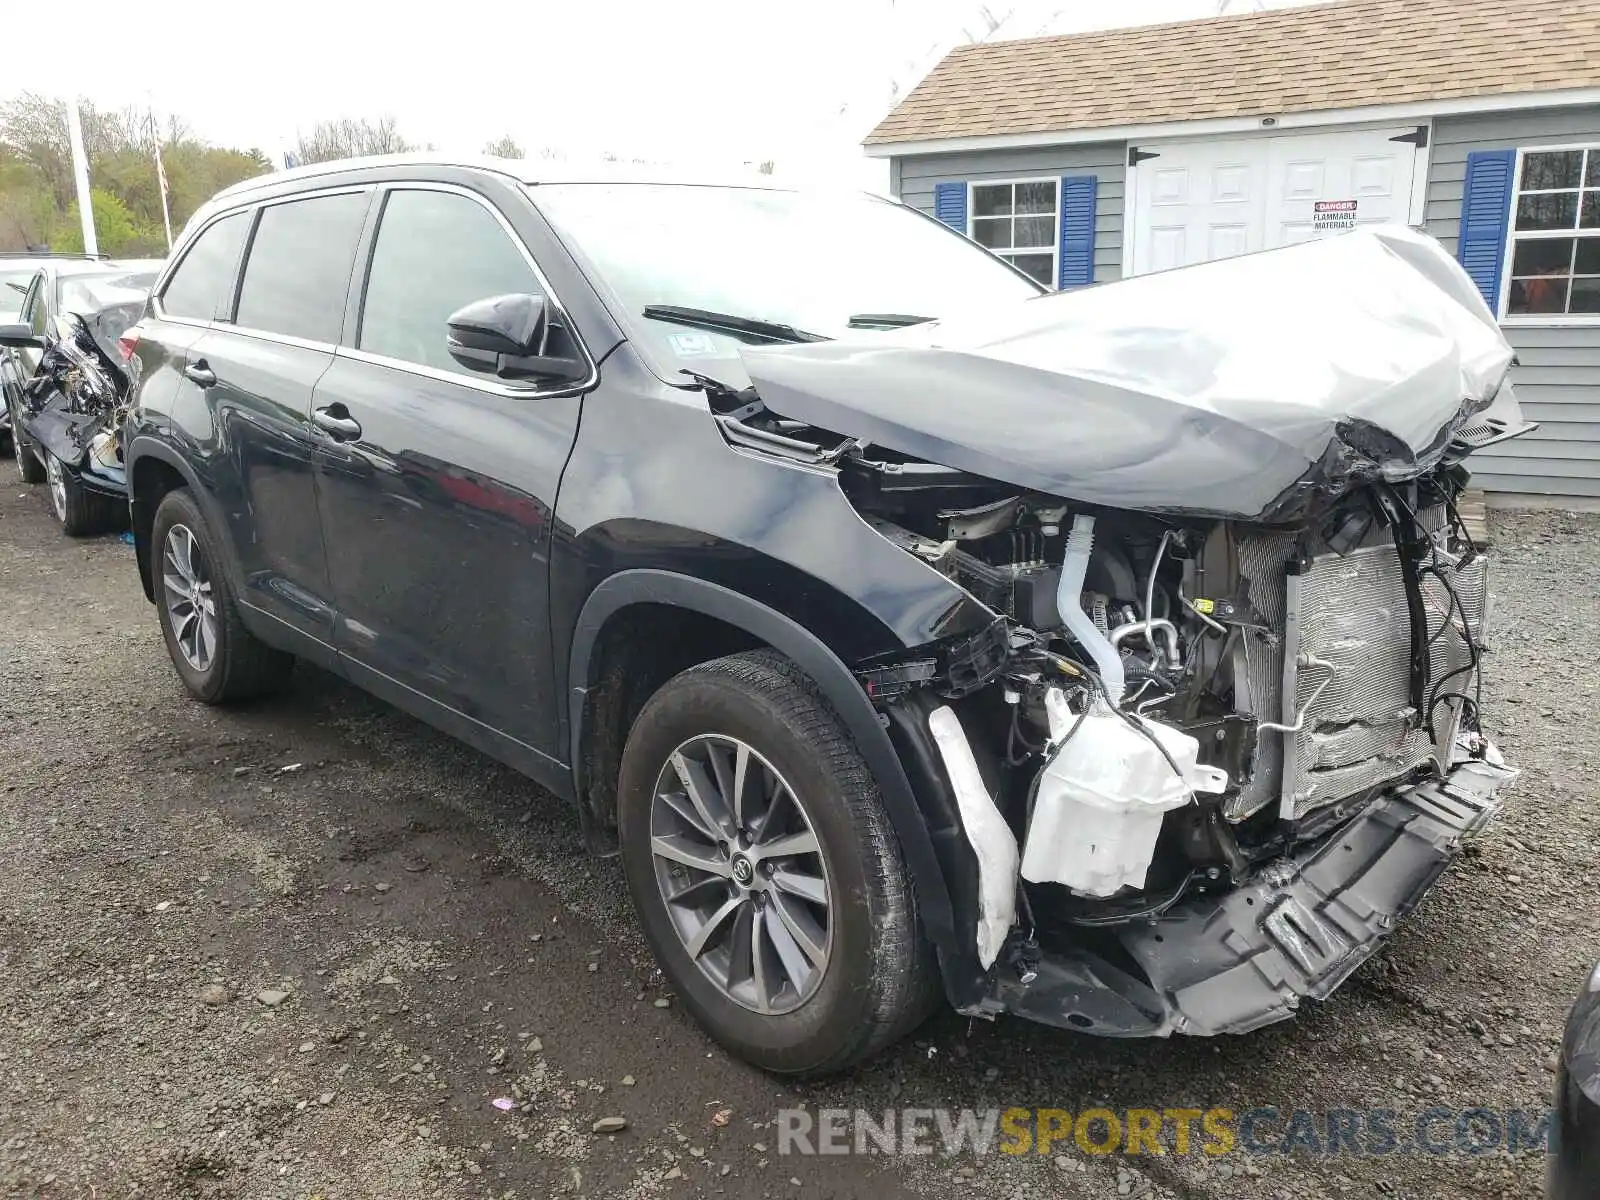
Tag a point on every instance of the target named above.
point(1055, 240)
point(1570, 320)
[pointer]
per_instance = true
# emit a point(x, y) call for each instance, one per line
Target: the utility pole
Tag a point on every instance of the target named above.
point(80, 173)
point(161, 175)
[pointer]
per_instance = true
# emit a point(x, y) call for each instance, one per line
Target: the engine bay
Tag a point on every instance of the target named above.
point(1270, 678)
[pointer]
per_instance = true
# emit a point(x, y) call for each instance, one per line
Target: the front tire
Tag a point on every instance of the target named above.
point(217, 658)
point(765, 870)
point(82, 513)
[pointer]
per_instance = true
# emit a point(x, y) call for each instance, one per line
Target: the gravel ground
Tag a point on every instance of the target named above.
point(298, 949)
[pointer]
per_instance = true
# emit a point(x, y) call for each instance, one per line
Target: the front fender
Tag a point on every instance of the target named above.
point(806, 650)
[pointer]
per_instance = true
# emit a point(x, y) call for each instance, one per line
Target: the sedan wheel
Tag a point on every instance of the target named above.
point(28, 464)
point(58, 486)
point(186, 591)
point(741, 873)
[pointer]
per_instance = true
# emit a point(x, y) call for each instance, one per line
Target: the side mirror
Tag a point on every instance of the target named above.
point(499, 325)
point(19, 335)
point(509, 336)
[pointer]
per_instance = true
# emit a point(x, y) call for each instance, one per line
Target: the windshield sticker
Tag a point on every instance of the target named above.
point(688, 345)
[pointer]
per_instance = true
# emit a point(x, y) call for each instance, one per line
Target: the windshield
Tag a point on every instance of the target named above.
point(807, 260)
point(13, 286)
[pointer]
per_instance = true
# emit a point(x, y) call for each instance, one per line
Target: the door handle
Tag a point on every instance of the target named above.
point(337, 421)
point(200, 373)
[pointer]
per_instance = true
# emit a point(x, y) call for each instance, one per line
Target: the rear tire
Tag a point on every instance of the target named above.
point(876, 980)
point(82, 513)
point(217, 658)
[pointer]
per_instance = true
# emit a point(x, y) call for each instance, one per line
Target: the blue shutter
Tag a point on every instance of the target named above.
point(1485, 212)
point(950, 205)
point(1077, 230)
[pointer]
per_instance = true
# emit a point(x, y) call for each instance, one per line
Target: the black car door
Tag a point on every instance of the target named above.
point(249, 381)
point(436, 485)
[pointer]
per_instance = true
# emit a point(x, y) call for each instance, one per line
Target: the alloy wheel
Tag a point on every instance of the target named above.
point(186, 590)
point(741, 873)
point(13, 419)
point(58, 485)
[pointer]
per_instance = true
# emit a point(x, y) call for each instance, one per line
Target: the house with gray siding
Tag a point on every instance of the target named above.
point(1087, 158)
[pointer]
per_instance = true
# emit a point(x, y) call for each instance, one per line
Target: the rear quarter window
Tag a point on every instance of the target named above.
point(200, 284)
point(298, 270)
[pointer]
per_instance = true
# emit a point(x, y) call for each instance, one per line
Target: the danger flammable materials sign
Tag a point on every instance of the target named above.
point(1330, 216)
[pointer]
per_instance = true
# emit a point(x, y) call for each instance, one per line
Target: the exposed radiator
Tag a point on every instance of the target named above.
point(1258, 664)
point(1360, 730)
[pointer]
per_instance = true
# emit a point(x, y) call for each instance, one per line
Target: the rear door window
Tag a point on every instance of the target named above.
point(298, 272)
point(204, 278)
point(436, 252)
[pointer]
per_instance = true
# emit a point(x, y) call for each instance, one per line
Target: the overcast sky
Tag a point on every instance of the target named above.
point(713, 81)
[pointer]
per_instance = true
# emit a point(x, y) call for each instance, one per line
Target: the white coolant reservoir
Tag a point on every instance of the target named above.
point(1101, 797)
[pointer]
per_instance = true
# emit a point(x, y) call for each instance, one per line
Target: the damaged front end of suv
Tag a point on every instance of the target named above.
point(1223, 730)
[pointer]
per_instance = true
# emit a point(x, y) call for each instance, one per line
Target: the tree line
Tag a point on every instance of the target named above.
point(39, 199)
point(38, 194)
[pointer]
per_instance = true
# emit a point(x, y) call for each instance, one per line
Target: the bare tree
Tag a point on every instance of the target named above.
point(503, 147)
point(34, 128)
point(350, 138)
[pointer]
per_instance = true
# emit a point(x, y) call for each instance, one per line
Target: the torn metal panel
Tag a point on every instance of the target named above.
point(74, 405)
point(1254, 387)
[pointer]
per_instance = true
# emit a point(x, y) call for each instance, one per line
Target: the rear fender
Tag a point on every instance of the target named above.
point(144, 448)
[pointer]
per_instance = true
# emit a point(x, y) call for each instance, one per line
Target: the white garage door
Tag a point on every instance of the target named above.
point(1197, 201)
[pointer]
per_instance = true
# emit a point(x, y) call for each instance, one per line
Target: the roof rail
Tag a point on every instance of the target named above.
point(46, 252)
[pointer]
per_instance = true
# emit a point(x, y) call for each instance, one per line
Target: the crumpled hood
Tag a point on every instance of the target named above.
point(1246, 388)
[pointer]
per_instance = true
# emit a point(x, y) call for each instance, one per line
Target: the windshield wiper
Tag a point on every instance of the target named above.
point(887, 320)
point(730, 323)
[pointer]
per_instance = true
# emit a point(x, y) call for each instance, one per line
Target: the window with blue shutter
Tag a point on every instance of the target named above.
point(1553, 245)
point(1021, 221)
point(1076, 265)
point(950, 205)
point(1485, 212)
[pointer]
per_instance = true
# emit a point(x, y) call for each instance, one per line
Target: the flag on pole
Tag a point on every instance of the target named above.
point(161, 176)
point(80, 173)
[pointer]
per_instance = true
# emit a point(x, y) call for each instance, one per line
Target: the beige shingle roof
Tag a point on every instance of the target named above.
point(1331, 56)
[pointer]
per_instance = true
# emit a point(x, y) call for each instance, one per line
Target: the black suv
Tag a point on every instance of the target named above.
point(671, 496)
